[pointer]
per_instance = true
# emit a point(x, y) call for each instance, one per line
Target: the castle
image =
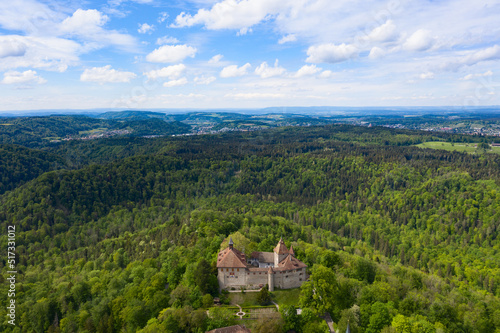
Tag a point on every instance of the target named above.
point(277, 269)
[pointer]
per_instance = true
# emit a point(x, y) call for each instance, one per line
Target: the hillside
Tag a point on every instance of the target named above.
point(126, 240)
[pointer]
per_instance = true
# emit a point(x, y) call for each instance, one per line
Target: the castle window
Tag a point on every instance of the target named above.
point(232, 269)
point(227, 269)
point(237, 269)
point(286, 276)
point(300, 279)
point(253, 273)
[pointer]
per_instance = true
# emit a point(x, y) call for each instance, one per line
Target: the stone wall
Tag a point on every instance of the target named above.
point(252, 279)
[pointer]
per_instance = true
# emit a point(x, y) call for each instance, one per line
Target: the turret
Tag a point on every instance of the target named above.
point(231, 243)
point(270, 278)
point(280, 252)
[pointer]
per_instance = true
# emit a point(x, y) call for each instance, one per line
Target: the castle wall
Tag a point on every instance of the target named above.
point(231, 277)
point(236, 277)
point(289, 279)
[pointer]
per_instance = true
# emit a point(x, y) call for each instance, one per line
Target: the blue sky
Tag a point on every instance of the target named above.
point(146, 54)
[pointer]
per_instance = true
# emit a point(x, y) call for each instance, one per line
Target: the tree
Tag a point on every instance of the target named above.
point(320, 291)
point(220, 317)
point(270, 324)
point(264, 297)
point(290, 318)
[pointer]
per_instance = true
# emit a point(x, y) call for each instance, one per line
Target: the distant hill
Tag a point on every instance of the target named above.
point(133, 115)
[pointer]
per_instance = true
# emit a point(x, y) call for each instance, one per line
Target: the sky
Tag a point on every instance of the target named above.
point(147, 54)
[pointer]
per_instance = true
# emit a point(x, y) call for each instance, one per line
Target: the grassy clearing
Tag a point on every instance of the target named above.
point(461, 147)
point(286, 296)
point(243, 299)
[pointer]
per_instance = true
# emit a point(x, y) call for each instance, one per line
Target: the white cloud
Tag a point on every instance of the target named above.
point(490, 53)
point(215, 59)
point(175, 83)
point(171, 72)
point(163, 17)
point(326, 74)
point(234, 70)
point(385, 32)
point(25, 77)
point(264, 71)
point(331, 53)
point(87, 25)
point(376, 53)
point(420, 40)
point(166, 40)
point(427, 76)
point(12, 48)
point(145, 28)
point(307, 70)
point(171, 53)
point(232, 14)
point(287, 39)
point(472, 76)
point(48, 53)
point(204, 80)
point(255, 96)
point(471, 58)
point(106, 75)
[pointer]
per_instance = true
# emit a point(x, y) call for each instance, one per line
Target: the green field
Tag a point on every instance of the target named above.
point(281, 296)
point(462, 147)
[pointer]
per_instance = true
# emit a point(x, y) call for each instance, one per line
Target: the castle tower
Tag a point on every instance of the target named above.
point(231, 243)
point(280, 252)
point(270, 278)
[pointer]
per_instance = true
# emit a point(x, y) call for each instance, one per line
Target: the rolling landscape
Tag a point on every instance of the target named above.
point(398, 228)
point(249, 166)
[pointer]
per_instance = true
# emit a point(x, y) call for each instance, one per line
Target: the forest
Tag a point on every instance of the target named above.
point(122, 234)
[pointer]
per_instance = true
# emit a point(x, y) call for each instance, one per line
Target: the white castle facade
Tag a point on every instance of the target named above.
point(277, 269)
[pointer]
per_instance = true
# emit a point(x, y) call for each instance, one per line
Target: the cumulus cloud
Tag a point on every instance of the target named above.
point(231, 14)
point(171, 72)
point(171, 53)
point(420, 40)
point(287, 39)
point(473, 57)
point(175, 83)
point(106, 75)
point(383, 33)
point(331, 53)
point(145, 28)
point(255, 96)
point(307, 70)
point(49, 53)
point(163, 17)
point(325, 74)
point(427, 76)
point(87, 25)
point(264, 71)
point(166, 40)
point(376, 53)
point(204, 80)
point(490, 53)
point(234, 70)
point(472, 76)
point(215, 59)
point(26, 77)
point(12, 48)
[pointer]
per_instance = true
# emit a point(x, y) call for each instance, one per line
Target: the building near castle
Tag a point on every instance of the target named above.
point(277, 269)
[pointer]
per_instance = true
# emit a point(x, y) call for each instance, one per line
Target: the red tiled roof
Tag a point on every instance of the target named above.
point(231, 258)
point(263, 256)
point(281, 248)
point(292, 252)
point(291, 262)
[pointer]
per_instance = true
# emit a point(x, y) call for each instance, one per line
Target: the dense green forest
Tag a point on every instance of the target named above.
point(37, 132)
point(122, 234)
